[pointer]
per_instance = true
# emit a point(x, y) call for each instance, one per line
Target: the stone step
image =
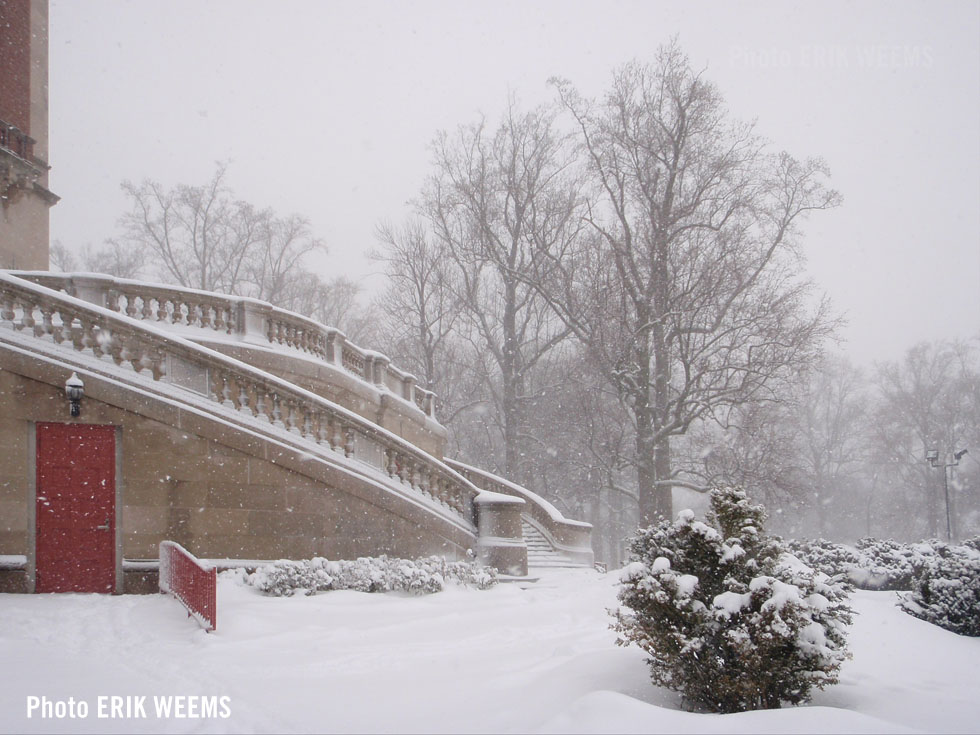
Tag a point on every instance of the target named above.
point(540, 552)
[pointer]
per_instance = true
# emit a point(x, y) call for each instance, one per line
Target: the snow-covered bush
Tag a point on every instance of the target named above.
point(285, 578)
point(890, 565)
point(728, 618)
point(874, 564)
point(837, 561)
point(946, 590)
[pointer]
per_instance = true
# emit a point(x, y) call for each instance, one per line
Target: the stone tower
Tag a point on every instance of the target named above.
point(24, 195)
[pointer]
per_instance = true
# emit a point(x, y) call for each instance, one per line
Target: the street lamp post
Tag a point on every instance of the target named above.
point(932, 456)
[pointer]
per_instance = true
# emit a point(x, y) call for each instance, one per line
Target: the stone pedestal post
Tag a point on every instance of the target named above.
point(500, 539)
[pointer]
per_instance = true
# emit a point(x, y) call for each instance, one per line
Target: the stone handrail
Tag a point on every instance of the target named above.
point(45, 314)
point(250, 319)
point(573, 538)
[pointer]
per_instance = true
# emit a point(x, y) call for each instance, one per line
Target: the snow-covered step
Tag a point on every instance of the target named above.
point(540, 551)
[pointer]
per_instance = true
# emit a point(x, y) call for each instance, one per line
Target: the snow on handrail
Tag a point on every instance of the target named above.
point(55, 317)
point(241, 315)
point(565, 534)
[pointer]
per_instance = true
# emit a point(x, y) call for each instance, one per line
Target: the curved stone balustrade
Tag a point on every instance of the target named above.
point(249, 319)
point(573, 539)
point(36, 311)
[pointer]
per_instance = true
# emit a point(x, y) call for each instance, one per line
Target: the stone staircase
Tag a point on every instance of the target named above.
point(541, 553)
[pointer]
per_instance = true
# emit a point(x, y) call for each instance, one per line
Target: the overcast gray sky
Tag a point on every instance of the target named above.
point(327, 108)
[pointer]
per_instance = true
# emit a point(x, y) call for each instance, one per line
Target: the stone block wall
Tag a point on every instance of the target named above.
point(219, 492)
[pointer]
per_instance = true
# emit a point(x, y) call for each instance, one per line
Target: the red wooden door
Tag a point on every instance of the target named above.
point(75, 547)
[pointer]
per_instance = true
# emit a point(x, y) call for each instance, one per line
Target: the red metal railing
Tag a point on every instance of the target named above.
point(184, 577)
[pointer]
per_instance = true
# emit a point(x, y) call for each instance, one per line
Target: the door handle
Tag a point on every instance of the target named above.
point(105, 526)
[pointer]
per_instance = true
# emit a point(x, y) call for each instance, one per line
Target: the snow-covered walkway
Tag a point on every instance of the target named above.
point(512, 659)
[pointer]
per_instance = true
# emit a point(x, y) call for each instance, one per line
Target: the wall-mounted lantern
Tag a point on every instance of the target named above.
point(75, 390)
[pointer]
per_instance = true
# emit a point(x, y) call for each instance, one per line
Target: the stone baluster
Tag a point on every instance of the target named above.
point(260, 407)
point(90, 338)
point(244, 404)
point(114, 347)
point(77, 333)
point(62, 330)
point(45, 327)
point(322, 430)
point(7, 313)
point(277, 411)
point(226, 392)
point(110, 299)
point(133, 351)
point(291, 418)
point(58, 330)
point(337, 440)
point(220, 320)
point(158, 362)
point(26, 316)
point(202, 315)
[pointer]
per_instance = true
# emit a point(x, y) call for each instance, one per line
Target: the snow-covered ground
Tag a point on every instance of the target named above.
point(517, 658)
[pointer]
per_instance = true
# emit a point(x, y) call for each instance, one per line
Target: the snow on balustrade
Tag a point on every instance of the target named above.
point(567, 537)
point(99, 333)
point(245, 318)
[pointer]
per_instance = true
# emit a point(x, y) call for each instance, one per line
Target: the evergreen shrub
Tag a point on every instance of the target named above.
point(727, 617)
point(946, 589)
point(286, 578)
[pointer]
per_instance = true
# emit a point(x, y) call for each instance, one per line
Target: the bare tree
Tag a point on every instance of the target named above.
point(831, 414)
point(420, 300)
point(113, 259)
point(200, 236)
point(582, 450)
point(272, 266)
point(491, 201)
point(926, 402)
point(687, 289)
point(759, 447)
point(335, 303)
point(62, 258)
